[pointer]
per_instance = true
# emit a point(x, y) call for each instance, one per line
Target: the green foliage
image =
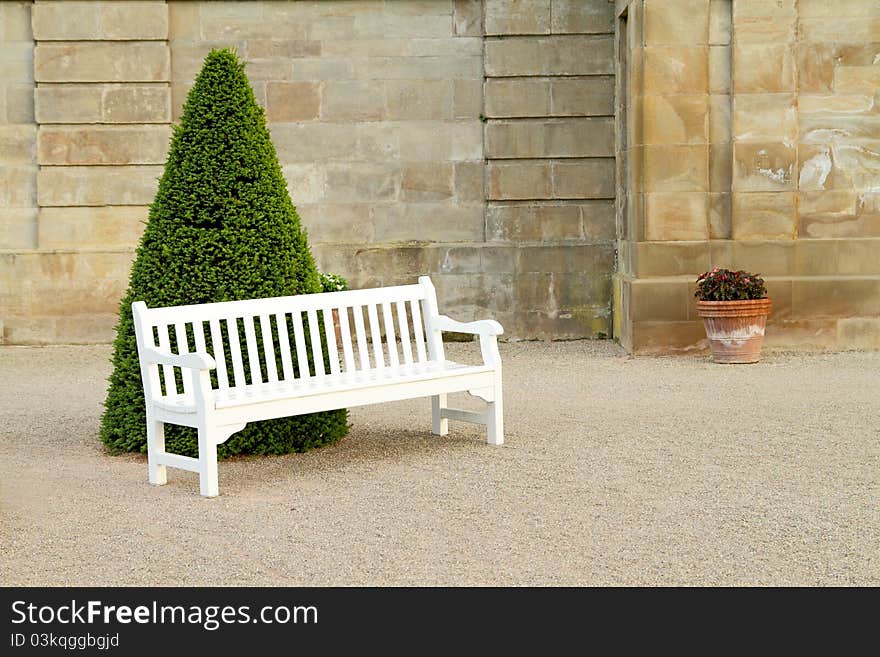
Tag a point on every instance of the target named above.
point(332, 282)
point(222, 227)
point(727, 285)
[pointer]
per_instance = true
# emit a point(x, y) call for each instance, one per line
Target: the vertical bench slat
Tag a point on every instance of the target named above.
point(199, 335)
point(284, 344)
point(361, 333)
point(235, 351)
point(418, 330)
point(390, 336)
point(302, 355)
point(315, 338)
point(330, 330)
point(219, 354)
point(269, 348)
point(167, 370)
point(402, 322)
point(182, 348)
point(250, 337)
point(345, 331)
point(376, 336)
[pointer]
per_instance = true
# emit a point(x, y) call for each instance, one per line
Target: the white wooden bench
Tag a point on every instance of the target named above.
point(179, 346)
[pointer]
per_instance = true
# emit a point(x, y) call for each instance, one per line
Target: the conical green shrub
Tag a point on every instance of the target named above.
point(222, 227)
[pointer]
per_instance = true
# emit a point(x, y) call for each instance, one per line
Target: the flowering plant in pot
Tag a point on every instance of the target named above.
point(734, 307)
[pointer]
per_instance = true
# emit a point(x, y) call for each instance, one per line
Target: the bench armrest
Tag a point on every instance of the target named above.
point(481, 327)
point(194, 361)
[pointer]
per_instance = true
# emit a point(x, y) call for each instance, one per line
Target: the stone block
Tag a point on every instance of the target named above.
point(468, 18)
point(334, 223)
point(660, 300)
point(677, 168)
point(720, 168)
point(66, 21)
point(719, 70)
point(347, 48)
point(394, 25)
point(815, 67)
point(720, 212)
point(315, 142)
point(554, 55)
point(147, 144)
point(588, 179)
point(858, 333)
point(17, 143)
point(419, 99)
point(133, 20)
point(417, 68)
point(18, 228)
point(67, 103)
point(517, 97)
point(665, 337)
point(763, 68)
point(676, 119)
point(131, 61)
point(765, 257)
point(533, 223)
point(305, 182)
point(429, 222)
point(597, 220)
point(579, 137)
point(676, 70)
point(293, 101)
point(581, 258)
point(763, 167)
point(360, 182)
point(100, 21)
point(353, 101)
point(16, 21)
point(720, 122)
point(19, 101)
point(426, 181)
point(763, 215)
point(105, 185)
point(677, 216)
point(18, 185)
point(134, 103)
point(458, 47)
point(676, 22)
point(856, 79)
point(467, 99)
point(765, 118)
point(264, 70)
point(510, 17)
point(184, 20)
point(283, 48)
point(838, 213)
point(469, 182)
point(842, 30)
point(720, 22)
point(520, 180)
point(835, 297)
point(459, 140)
point(16, 62)
point(588, 96)
point(663, 259)
point(578, 17)
point(109, 227)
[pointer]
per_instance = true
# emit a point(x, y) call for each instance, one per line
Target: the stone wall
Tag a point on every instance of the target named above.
point(754, 144)
point(378, 116)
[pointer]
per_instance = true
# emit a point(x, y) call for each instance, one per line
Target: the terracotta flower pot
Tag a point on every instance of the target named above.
point(735, 328)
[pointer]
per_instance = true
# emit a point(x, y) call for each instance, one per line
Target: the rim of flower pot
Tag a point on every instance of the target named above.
point(737, 308)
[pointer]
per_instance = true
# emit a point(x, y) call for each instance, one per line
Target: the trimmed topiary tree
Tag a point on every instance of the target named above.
point(222, 227)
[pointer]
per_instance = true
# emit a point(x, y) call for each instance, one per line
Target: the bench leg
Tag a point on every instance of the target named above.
point(440, 425)
point(156, 445)
point(495, 419)
point(208, 483)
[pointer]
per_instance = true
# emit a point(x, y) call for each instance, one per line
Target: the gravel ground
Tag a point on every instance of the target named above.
point(616, 471)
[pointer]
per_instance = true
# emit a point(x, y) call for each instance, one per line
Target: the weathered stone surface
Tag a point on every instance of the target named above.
point(676, 119)
point(459, 140)
point(184, 19)
point(592, 178)
point(105, 185)
point(676, 22)
point(353, 101)
point(677, 216)
point(19, 102)
point(861, 29)
point(657, 259)
point(664, 337)
point(133, 103)
point(426, 181)
point(519, 180)
point(664, 299)
point(554, 55)
point(588, 96)
point(579, 17)
point(763, 167)
point(719, 70)
point(469, 182)
point(763, 215)
point(415, 68)
point(467, 99)
point(285, 48)
point(91, 227)
point(550, 222)
point(104, 21)
point(856, 79)
point(17, 143)
point(720, 216)
point(720, 22)
point(720, 168)
point(763, 68)
point(517, 97)
point(293, 101)
point(133, 20)
point(468, 18)
point(516, 16)
point(676, 168)
point(836, 297)
point(16, 20)
point(358, 182)
point(147, 144)
point(18, 185)
point(676, 69)
point(305, 182)
point(337, 223)
point(428, 222)
point(419, 99)
point(858, 333)
point(765, 118)
point(102, 62)
point(18, 228)
point(838, 213)
point(581, 137)
point(16, 61)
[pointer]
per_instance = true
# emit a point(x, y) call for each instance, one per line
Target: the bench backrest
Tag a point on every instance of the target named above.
point(284, 338)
